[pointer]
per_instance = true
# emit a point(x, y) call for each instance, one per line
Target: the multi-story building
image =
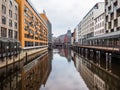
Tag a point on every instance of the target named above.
point(76, 34)
point(9, 26)
point(79, 33)
point(72, 38)
point(87, 25)
point(68, 37)
point(49, 25)
point(88, 22)
point(112, 13)
point(33, 29)
point(99, 17)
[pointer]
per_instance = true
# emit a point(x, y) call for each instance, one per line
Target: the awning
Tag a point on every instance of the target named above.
point(4, 39)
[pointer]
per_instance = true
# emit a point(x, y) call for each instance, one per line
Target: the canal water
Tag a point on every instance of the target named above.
point(64, 75)
point(60, 69)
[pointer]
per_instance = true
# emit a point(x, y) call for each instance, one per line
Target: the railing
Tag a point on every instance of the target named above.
point(105, 47)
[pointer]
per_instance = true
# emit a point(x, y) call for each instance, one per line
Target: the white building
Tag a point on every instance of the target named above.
point(9, 19)
point(72, 38)
point(99, 18)
point(86, 28)
point(76, 34)
point(112, 8)
point(80, 36)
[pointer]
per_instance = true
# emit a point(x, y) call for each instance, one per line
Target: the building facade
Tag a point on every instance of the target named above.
point(112, 13)
point(72, 38)
point(9, 26)
point(49, 25)
point(87, 27)
point(99, 19)
point(79, 33)
point(76, 34)
point(68, 43)
point(99, 28)
point(33, 30)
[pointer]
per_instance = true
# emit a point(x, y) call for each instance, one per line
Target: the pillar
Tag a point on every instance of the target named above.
point(106, 61)
point(99, 58)
point(110, 59)
point(82, 52)
point(86, 53)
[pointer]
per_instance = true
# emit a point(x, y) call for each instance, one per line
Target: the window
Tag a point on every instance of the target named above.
point(26, 9)
point(106, 18)
point(115, 23)
point(15, 34)
point(118, 12)
point(112, 16)
point(10, 13)
point(109, 8)
point(3, 9)
point(106, 31)
point(16, 8)
point(3, 32)
point(10, 33)
point(27, 15)
point(106, 2)
point(103, 23)
point(15, 16)
point(25, 28)
point(118, 28)
point(10, 3)
point(10, 23)
point(28, 44)
point(3, 20)
point(103, 16)
point(115, 5)
point(109, 25)
point(25, 21)
point(15, 25)
point(112, 30)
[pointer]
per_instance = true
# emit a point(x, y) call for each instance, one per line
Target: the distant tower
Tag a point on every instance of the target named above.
point(69, 36)
point(69, 33)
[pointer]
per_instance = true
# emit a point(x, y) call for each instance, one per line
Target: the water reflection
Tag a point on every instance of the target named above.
point(65, 53)
point(95, 76)
point(61, 69)
point(31, 77)
point(10, 78)
point(64, 75)
point(37, 75)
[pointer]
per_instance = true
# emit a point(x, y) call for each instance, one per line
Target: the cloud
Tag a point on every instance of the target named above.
point(64, 13)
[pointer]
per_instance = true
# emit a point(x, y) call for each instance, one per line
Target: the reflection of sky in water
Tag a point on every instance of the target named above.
point(64, 76)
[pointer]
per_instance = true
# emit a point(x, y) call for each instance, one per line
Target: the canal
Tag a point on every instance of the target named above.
point(61, 69)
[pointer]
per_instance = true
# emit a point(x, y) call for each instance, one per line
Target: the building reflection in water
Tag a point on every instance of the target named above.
point(10, 77)
point(96, 77)
point(31, 77)
point(65, 53)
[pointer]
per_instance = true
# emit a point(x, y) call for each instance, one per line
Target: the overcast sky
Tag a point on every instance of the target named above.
point(64, 14)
